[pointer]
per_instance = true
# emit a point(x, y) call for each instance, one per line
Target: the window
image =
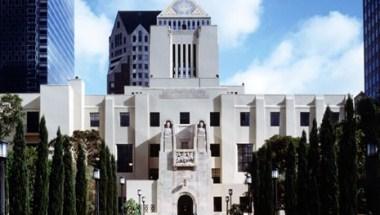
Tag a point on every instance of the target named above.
point(244, 156)
point(125, 157)
point(154, 150)
point(217, 204)
point(275, 119)
point(184, 118)
point(134, 38)
point(146, 39)
point(140, 36)
point(153, 174)
point(32, 122)
point(214, 119)
point(118, 24)
point(155, 119)
point(94, 119)
point(215, 174)
point(334, 118)
point(215, 150)
point(244, 119)
point(146, 66)
point(124, 119)
point(305, 118)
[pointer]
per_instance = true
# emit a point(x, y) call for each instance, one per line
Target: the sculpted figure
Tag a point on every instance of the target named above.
point(201, 129)
point(168, 128)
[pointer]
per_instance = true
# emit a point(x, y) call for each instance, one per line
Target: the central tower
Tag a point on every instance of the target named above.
point(184, 48)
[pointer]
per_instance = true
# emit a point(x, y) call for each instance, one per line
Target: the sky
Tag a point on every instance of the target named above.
point(272, 46)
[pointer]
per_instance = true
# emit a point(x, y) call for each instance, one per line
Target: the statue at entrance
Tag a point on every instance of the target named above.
point(201, 136)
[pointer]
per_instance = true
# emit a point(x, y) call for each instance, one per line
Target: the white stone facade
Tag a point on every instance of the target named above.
point(202, 129)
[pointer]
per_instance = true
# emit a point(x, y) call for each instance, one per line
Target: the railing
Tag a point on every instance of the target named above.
point(184, 158)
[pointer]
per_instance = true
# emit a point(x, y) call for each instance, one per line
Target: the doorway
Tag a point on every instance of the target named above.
point(185, 205)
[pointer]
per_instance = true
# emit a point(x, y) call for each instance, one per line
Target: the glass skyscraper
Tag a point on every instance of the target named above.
point(371, 47)
point(36, 43)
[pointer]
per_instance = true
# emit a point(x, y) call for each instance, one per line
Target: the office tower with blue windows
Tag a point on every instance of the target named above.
point(36, 43)
point(371, 47)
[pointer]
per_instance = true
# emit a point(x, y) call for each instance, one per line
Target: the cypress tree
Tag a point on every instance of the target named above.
point(18, 179)
point(268, 185)
point(81, 182)
point(255, 188)
point(262, 182)
point(114, 187)
point(69, 207)
point(348, 175)
point(41, 182)
point(329, 171)
point(56, 178)
point(103, 183)
point(313, 162)
point(368, 126)
point(110, 196)
point(302, 182)
point(290, 181)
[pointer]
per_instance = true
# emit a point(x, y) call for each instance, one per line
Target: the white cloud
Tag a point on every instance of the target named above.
point(91, 45)
point(325, 55)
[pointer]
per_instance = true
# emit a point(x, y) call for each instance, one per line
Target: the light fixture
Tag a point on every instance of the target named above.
point(3, 149)
point(274, 173)
point(122, 180)
point(96, 174)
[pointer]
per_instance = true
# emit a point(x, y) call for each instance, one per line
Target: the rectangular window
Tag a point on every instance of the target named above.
point(244, 156)
point(275, 119)
point(153, 174)
point(305, 118)
point(155, 119)
point(214, 119)
point(124, 119)
point(215, 150)
point(217, 204)
point(244, 118)
point(94, 119)
point(215, 174)
point(125, 157)
point(154, 150)
point(334, 118)
point(32, 122)
point(184, 118)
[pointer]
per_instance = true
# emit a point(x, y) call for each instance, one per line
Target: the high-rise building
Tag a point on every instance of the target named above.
point(371, 47)
point(129, 50)
point(36, 43)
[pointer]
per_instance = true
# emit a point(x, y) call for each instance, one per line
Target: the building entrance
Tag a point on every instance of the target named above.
point(185, 205)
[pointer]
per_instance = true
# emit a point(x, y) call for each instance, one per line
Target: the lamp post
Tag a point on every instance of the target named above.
point(230, 194)
point(139, 195)
point(3, 158)
point(275, 177)
point(227, 200)
point(122, 183)
point(248, 181)
point(143, 206)
point(96, 176)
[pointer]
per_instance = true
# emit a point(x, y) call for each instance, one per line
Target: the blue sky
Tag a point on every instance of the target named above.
point(273, 46)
